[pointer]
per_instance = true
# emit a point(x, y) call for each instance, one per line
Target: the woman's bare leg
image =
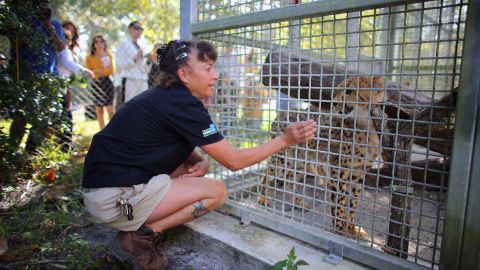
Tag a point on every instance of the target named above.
point(101, 121)
point(187, 199)
point(109, 111)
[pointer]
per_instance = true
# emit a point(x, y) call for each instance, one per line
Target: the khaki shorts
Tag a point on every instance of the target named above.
point(102, 202)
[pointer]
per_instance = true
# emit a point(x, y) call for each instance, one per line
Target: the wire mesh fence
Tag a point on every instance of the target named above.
point(125, 69)
point(381, 84)
point(211, 10)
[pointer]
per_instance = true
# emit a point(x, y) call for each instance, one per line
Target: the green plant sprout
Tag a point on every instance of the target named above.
point(290, 263)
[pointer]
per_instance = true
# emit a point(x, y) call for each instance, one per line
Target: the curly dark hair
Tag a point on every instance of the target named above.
point(174, 54)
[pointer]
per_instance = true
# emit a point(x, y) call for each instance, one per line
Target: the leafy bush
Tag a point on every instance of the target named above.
point(34, 98)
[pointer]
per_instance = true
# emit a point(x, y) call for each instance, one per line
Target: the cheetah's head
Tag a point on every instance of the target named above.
point(355, 95)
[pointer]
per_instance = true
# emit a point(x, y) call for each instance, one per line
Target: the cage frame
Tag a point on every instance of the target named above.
point(462, 222)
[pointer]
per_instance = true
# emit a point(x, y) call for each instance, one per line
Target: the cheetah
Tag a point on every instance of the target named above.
point(345, 146)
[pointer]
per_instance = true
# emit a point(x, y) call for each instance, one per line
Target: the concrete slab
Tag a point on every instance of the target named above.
point(222, 238)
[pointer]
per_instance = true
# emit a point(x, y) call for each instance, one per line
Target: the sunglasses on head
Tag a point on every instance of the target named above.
point(99, 41)
point(137, 27)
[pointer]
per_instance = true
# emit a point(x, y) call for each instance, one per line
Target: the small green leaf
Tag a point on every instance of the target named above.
point(278, 266)
point(301, 262)
point(292, 251)
point(291, 256)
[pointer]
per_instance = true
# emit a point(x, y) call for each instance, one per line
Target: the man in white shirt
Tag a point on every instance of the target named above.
point(131, 63)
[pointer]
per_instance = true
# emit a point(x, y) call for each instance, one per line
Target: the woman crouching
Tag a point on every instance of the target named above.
point(142, 173)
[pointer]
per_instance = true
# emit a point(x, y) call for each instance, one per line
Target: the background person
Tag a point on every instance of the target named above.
point(67, 67)
point(101, 62)
point(72, 42)
point(142, 173)
point(131, 63)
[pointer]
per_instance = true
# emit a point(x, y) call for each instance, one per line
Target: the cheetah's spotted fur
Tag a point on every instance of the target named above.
point(345, 146)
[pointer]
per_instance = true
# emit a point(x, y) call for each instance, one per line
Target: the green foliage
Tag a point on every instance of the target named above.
point(12, 18)
point(45, 230)
point(7, 157)
point(161, 18)
point(49, 156)
point(72, 175)
point(15, 18)
point(34, 98)
point(25, 224)
point(290, 262)
point(42, 223)
point(3, 230)
point(41, 231)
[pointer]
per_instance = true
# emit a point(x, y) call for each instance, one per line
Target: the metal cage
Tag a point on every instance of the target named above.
point(383, 81)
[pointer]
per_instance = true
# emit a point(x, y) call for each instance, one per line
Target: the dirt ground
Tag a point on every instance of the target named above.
point(93, 236)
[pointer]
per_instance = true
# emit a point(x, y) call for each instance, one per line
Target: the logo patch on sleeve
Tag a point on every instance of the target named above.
point(212, 129)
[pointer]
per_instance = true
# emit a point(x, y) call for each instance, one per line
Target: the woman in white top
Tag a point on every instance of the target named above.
point(68, 66)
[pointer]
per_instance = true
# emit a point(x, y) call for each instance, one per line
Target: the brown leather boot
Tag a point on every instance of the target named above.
point(139, 248)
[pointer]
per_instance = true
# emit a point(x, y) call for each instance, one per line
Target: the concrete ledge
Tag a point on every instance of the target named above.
point(221, 237)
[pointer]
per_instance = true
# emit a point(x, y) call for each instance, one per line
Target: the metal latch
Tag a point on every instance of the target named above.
point(245, 217)
point(336, 253)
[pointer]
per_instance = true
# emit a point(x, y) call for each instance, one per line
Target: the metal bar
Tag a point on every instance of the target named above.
point(300, 11)
point(188, 16)
point(471, 237)
point(319, 238)
point(461, 170)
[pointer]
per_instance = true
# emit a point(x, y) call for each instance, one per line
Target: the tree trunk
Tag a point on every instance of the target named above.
point(399, 156)
point(431, 174)
point(435, 124)
point(312, 79)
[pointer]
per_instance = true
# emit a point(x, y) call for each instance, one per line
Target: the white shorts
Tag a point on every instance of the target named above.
point(102, 202)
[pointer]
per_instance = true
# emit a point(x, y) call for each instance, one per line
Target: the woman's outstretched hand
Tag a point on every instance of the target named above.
point(299, 132)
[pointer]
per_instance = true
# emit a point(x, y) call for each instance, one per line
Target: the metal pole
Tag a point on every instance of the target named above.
point(462, 223)
point(293, 12)
point(188, 16)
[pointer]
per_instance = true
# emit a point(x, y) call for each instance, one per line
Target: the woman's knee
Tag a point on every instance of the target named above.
point(221, 193)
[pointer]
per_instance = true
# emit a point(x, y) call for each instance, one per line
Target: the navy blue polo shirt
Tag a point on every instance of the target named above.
point(153, 133)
